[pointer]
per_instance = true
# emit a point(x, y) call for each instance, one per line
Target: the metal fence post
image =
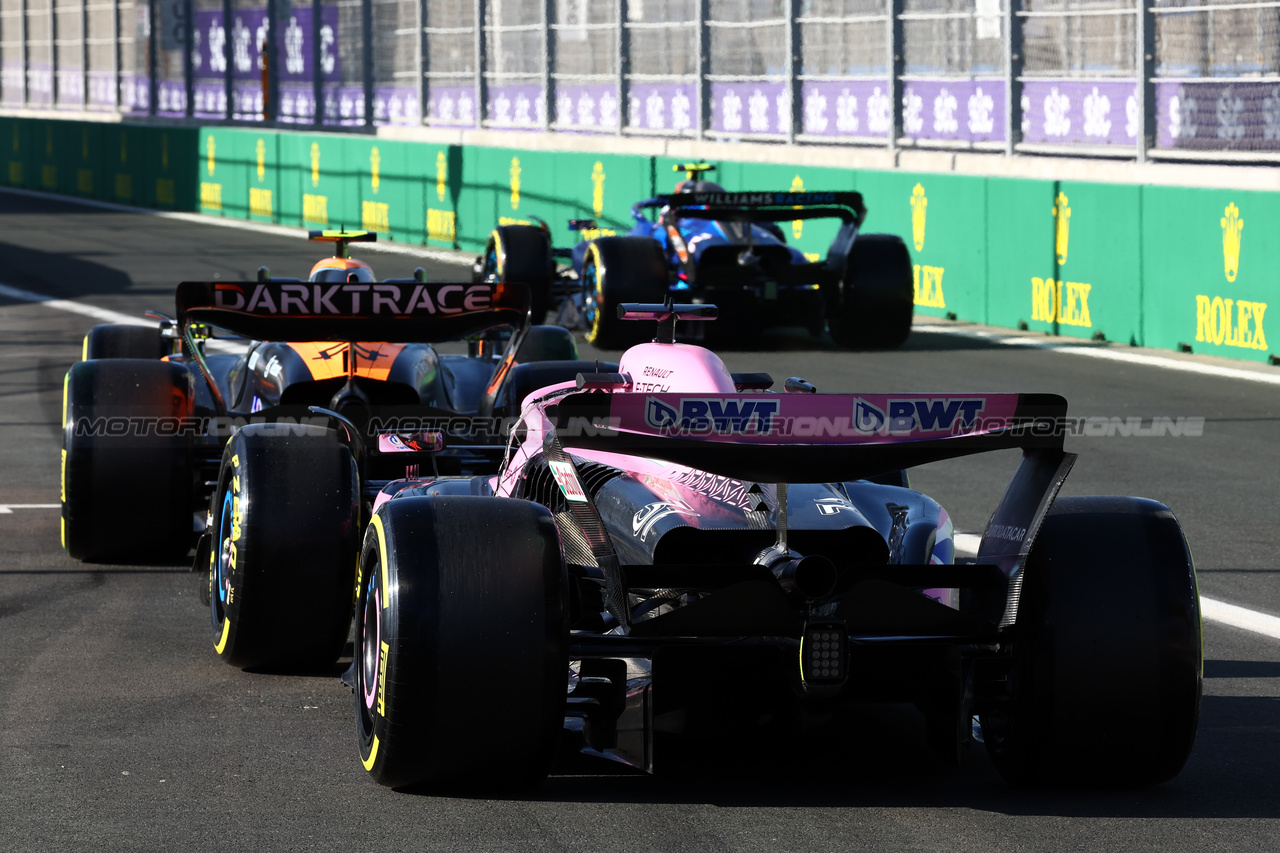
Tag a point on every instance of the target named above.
point(153, 61)
point(53, 54)
point(317, 72)
point(1013, 62)
point(228, 57)
point(897, 62)
point(622, 45)
point(480, 49)
point(271, 107)
point(188, 66)
point(424, 46)
point(26, 58)
point(115, 55)
point(1146, 89)
point(548, 65)
point(84, 54)
point(366, 57)
point(704, 68)
point(795, 95)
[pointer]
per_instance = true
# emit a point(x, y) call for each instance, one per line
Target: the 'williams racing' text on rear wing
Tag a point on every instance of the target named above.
point(764, 206)
point(805, 438)
point(395, 310)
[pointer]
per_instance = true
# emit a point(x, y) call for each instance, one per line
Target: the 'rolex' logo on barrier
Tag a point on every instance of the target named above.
point(315, 164)
point(261, 150)
point(442, 175)
point(597, 192)
point(515, 183)
point(918, 206)
point(1062, 227)
point(1231, 225)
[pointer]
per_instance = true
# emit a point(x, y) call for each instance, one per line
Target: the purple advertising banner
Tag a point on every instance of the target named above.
point(587, 107)
point(344, 105)
point(516, 107)
point(1099, 112)
point(750, 108)
point(171, 98)
point(39, 85)
point(671, 107)
point(135, 93)
point(954, 110)
point(396, 105)
point(101, 86)
point(845, 108)
point(454, 106)
point(1218, 116)
point(70, 87)
point(12, 86)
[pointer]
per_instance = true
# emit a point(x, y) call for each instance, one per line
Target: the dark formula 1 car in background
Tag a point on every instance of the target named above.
point(701, 554)
point(706, 245)
point(149, 410)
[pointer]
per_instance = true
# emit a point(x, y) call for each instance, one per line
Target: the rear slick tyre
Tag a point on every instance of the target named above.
point(127, 482)
point(286, 535)
point(461, 643)
point(874, 303)
point(616, 270)
point(1108, 662)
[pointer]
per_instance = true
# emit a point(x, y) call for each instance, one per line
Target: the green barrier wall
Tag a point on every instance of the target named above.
point(1154, 266)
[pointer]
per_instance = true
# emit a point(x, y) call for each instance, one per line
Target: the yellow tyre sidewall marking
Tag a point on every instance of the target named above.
point(66, 380)
point(216, 549)
point(84, 349)
point(498, 255)
point(382, 561)
point(594, 333)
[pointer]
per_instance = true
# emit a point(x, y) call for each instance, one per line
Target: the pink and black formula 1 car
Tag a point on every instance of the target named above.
point(693, 551)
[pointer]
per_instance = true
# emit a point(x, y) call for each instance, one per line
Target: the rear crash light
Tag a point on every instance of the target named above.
point(824, 653)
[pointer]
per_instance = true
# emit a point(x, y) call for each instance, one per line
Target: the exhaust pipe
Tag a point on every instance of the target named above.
point(812, 577)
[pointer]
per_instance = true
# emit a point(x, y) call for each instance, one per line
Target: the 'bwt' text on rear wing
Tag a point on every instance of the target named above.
point(798, 438)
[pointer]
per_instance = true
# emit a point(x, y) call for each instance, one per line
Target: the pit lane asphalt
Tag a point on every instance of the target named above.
point(119, 729)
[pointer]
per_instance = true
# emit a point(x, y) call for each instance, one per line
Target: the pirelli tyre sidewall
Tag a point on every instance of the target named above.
point(1108, 657)
point(122, 340)
point(617, 270)
point(461, 643)
point(522, 253)
point(127, 487)
point(285, 534)
point(872, 305)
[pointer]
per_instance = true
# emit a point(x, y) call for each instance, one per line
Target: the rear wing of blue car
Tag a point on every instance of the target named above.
point(763, 206)
point(398, 310)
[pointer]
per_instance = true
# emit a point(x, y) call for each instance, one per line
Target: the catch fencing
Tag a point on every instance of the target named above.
point(1177, 78)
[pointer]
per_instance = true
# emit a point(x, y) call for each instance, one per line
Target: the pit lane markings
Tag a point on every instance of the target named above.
point(1211, 609)
point(7, 509)
point(1105, 352)
point(93, 312)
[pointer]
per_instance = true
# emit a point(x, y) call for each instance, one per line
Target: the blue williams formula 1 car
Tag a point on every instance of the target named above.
point(702, 244)
point(701, 557)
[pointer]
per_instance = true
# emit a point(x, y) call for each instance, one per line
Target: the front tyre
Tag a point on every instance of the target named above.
point(1107, 651)
point(461, 643)
point(286, 535)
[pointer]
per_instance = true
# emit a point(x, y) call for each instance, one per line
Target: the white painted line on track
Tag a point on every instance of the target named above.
point(7, 509)
point(1211, 609)
point(104, 315)
point(444, 256)
point(1107, 353)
